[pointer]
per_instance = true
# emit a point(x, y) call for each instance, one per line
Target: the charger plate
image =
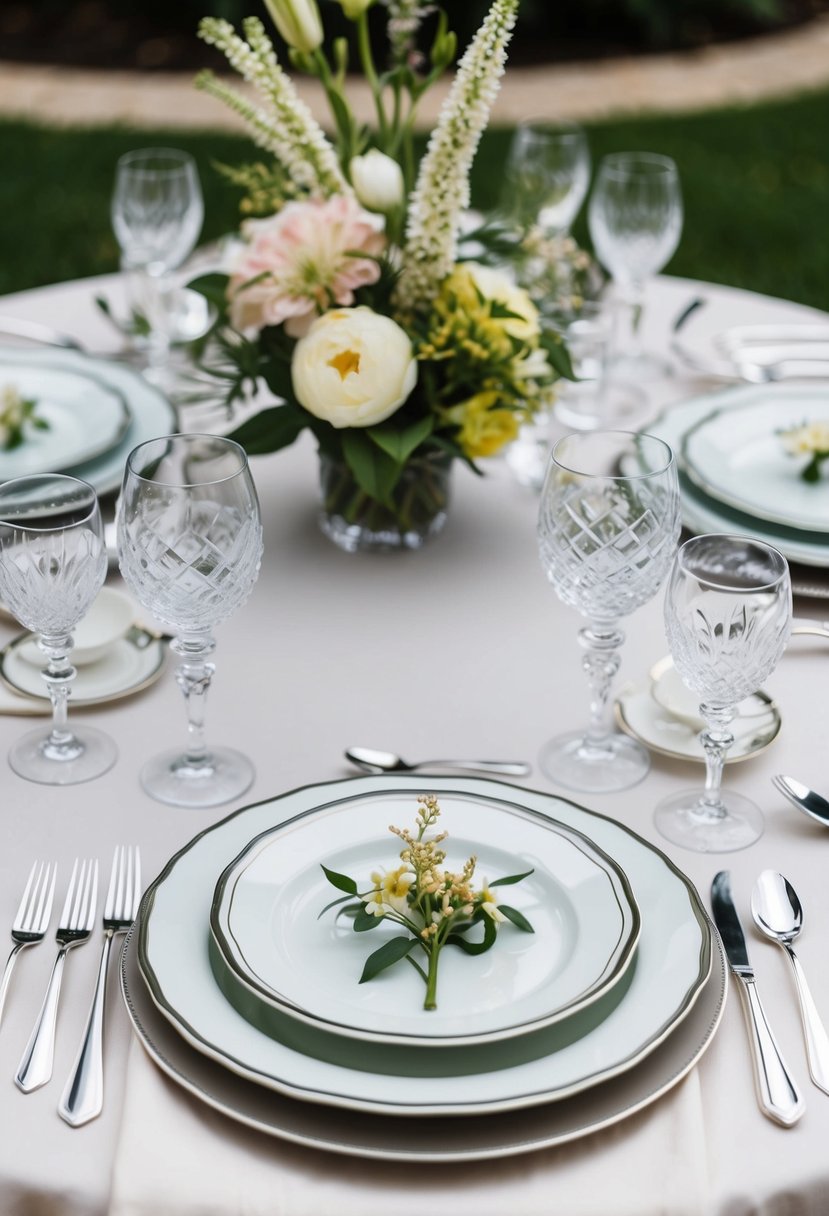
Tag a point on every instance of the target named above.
point(278, 953)
point(673, 961)
point(414, 1140)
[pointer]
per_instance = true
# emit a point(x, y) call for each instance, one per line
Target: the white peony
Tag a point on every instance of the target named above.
point(354, 367)
point(377, 180)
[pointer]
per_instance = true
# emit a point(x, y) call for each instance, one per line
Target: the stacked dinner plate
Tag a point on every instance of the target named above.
point(97, 412)
point(248, 997)
point(736, 475)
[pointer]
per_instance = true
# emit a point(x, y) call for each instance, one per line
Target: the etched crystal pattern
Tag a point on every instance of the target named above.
point(49, 580)
point(607, 546)
point(191, 563)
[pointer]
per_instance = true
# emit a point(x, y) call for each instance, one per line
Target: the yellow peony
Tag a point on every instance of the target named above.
point(484, 427)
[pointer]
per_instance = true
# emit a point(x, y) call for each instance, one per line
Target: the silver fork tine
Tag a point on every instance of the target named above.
point(74, 927)
point(83, 1095)
point(31, 919)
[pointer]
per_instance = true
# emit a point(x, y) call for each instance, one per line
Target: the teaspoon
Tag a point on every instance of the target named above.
point(806, 800)
point(777, 913)
point(371, 761)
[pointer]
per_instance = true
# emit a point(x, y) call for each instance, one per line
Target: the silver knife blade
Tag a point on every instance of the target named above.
point(728, 924)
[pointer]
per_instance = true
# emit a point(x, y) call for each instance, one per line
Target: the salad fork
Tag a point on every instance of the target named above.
point(32, 918)
point(74, 927)
point(83, 1096)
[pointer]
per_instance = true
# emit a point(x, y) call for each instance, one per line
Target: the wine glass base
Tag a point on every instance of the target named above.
point(169, 778)
point(614, 405)
point(615, 762)
point(87, 755)
point(683, 820)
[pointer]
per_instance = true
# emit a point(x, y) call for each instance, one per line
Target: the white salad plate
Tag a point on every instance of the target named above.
point(130, 664)
point(701, 513)
point(673, 961)
point(281, 953)
point(84, 417)
point(377, 1137)
point(737, 455)
point(152, 414)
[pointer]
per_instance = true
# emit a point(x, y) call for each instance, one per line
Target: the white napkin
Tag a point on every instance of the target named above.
point(178, 1157)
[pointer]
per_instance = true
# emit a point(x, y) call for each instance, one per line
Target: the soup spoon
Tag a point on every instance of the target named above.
point(371, 761)
point(778, 914)
point(806, 800)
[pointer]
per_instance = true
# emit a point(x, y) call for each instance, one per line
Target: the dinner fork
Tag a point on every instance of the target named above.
point(32, 918)
point(74, 927)
point(83, 1096)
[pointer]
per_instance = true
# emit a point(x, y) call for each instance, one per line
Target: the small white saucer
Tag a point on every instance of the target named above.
point(128, 665)
point(756, 725)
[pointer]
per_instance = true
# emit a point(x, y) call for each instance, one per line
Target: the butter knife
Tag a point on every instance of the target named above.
point(777, 1094)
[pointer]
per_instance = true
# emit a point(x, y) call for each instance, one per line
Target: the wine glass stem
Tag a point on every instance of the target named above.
point(58, 674)
point(716, 740)
point(634, 305)
point(601, 642)
point(193, 675)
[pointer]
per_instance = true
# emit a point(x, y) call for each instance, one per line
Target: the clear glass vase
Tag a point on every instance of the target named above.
point(416, 509)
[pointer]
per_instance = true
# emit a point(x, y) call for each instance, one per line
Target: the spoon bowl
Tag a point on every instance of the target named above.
point(372, 761)
point(806, 800)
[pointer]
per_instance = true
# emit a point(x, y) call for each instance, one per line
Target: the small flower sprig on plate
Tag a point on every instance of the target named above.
point(435, 907)
point(16, 414)
point(808, 439)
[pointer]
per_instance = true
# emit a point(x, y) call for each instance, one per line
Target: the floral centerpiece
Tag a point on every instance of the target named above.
point(349, 295)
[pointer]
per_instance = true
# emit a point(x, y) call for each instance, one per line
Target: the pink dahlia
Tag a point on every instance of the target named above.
point(299, 262)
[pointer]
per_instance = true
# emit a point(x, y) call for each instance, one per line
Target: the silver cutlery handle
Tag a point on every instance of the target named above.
point(7, 974)
point(817, 1041)
point(505, 767)
point(35, 1068)
point(777, 1093)
point(83, 1096)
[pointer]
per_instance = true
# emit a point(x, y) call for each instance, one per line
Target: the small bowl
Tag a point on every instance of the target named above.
point(107, 621)
point(672, 695)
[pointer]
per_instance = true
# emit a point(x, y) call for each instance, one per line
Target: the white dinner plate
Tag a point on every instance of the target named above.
point(128, 665)
point(737, 456)
point(84, 417)
point(421, 1140)
point(673, 960)
point(703, 514)
point(283, 954)
point(152, 414)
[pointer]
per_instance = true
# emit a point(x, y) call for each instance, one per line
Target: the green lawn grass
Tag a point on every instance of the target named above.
point(755, 182)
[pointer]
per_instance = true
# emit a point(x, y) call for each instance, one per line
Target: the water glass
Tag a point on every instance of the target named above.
point(608, 525)
point(53, 563)
point(190, 547)
point(546, 176)
point(593, 400)
point(728, 609)
point(635, 220)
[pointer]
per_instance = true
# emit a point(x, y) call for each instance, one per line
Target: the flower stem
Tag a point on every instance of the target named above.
point(432, 978)
point(367, 59)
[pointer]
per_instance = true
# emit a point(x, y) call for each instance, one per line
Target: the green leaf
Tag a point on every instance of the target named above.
point(558, 355)
point(334, 903)
point(364, 921)
point(490, 934)
point(213, 287)
point(341, 881)
point(400, 444)
point(511, 878)
point(388, 954)
point(270, 430)
point(518, 918)
point(375, 472)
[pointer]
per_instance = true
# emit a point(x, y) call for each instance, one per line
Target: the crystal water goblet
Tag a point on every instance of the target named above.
point(53, 563)
point(546, 176)
point(157, 213)
point(190, 547)
point(728, 610)
point(635, 220)
point(608, 526)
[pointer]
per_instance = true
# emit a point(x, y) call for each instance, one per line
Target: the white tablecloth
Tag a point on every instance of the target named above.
point(460, 649)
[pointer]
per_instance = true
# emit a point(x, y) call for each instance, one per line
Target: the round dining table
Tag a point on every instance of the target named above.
point(459, 649)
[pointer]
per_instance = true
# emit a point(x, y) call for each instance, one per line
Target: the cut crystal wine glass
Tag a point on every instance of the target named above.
point(608, 526)
point(546, 175)
point(53, 563)
point(635, 220)
point(190, 546)
point(728, 609)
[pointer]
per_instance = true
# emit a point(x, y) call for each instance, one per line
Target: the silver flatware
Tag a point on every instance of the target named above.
point(371, 761)
point(818, 629)
point(34, 331)
point(777, 1093)
point(31, 919)
point(739, 336)
point(74, 927)
point(750, 370)
point(777, 913)
point(83, 1096)
point(806, 800)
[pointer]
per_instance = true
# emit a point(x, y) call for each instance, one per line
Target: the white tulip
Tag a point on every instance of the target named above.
point(354, 367)
point(377, 180)
point(298, 21)
point(354, 9)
